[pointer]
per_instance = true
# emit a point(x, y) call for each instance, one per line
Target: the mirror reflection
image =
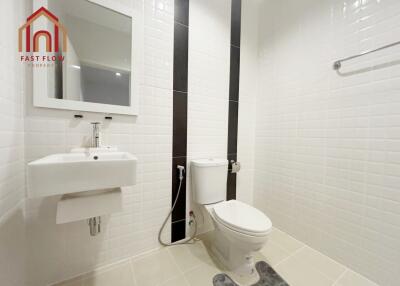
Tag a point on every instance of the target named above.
point(97, 64)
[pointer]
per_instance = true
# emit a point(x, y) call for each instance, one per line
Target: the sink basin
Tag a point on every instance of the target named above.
point(88, 170)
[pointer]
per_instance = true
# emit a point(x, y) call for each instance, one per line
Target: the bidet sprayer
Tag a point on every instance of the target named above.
point(181, 171)
point(192, 221)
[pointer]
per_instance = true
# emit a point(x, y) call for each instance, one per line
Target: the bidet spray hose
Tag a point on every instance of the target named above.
point(181, 172)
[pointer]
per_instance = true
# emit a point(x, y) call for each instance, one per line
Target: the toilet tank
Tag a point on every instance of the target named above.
point(209, 178)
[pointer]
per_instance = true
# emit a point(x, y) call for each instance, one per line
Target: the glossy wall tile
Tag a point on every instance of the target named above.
point(58, 252)
point(13, 88)
point(326, 142)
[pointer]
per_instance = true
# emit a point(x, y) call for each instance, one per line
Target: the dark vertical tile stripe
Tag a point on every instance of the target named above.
point(178, 230)
point(233, 126)
point(182, 12)
point(179, 212)
point(179, 144)
point(179, 133)
point(236, 12)
point(234, 76)
point(181, 34)
point(231, 187)
point(231, 184)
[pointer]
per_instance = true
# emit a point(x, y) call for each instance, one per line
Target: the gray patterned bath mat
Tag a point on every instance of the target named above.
point(268, 277)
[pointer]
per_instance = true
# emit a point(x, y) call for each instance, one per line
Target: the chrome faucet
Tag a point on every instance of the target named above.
point(96, 134)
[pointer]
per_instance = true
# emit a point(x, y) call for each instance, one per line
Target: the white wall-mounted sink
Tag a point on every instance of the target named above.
point(87, 170)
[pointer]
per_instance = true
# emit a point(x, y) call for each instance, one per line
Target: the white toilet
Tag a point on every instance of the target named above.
point(240, 229)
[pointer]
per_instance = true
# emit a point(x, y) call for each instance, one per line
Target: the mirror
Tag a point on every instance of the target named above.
point(96, 71)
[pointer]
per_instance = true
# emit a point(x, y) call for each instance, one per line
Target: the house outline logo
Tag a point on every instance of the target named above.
point(32, 43)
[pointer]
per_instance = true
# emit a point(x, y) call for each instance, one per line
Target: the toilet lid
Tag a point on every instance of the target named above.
point(240, 216)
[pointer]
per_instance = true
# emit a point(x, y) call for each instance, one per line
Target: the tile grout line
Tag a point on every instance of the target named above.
point(158, 251)
point(92, 273)
point(290, 256)
point(133, 272)
point(194, 267)
point(320, 272)
point(174, 260)
point(340, 276)
point(202, 263)
point(277, 245)
point(346, 269)
point(183, 273)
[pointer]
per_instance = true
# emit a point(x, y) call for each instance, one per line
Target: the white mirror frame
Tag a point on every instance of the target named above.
point(40, 92)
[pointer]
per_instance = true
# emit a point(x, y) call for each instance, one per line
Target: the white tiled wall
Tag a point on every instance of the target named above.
point(208, 78)
point(208, 90)
point(58, 252)
point(12, 177)
point(12, 89)
point(327, 144)
point(63, 251)
point(247, 100)
point(208, 82)
point(13, 247)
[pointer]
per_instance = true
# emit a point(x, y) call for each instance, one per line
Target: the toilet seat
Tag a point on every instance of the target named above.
point(242, 218)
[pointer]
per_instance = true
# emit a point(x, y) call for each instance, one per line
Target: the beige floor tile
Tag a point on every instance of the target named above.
point(202, 275)
point(155, 268)
point(297, 271)
point(192, 265)
point(177, 281)
point(72, 282)
point(320, 262)
point(272, 253)
point(301, 275)
point(288, 243)
point(190, 256)
point(118, 275)
point(351, 278)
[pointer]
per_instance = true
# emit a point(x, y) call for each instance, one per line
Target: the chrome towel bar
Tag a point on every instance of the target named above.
point(338, 64)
